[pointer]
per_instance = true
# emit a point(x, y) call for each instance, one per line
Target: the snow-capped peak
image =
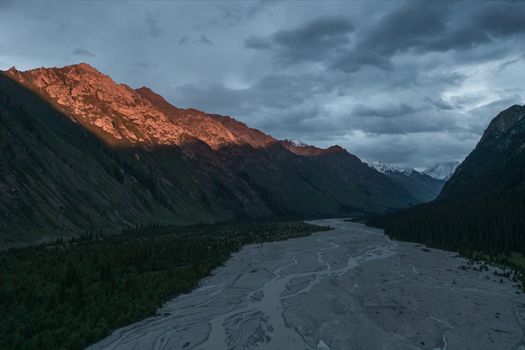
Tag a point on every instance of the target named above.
point(442, 171)
point(387, 168)
point(298, 143)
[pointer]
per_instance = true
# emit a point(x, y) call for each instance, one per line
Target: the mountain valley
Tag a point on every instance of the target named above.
point(107, 157)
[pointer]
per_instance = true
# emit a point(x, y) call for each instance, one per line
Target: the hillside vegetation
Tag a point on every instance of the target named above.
point(68, 295)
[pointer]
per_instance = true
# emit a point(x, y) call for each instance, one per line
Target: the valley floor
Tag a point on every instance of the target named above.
point(350, 288)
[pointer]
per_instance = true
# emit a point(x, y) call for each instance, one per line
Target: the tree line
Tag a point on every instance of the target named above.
point(69, 294)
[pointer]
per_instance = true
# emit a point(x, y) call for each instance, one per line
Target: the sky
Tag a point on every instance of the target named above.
point(406, 82)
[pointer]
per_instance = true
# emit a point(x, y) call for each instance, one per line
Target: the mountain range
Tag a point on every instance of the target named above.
point(420, 185)
point(80, 152)
point(482, 205)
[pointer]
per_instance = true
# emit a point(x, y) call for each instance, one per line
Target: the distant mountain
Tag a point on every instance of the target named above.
point(303, 149)
point(421, 186)
point(387, 168)
point(442, 171)
point(482, 206)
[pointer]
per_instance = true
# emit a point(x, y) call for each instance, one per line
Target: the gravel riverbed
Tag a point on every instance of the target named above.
point(349, 288)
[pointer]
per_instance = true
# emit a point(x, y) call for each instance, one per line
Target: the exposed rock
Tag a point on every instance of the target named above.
point(120, 114)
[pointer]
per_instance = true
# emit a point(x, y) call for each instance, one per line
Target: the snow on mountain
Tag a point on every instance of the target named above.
point(442, 171)
point(387, 168)
point(423, 187)
point(298, 143)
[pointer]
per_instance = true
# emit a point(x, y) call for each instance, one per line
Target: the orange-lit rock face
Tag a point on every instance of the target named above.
point(120, 114)
point(123, 116)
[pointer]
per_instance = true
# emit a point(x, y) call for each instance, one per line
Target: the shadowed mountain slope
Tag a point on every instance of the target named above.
point(81, 152)
point(482, 206)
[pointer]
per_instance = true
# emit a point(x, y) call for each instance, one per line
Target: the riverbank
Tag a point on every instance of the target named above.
point(69, 294)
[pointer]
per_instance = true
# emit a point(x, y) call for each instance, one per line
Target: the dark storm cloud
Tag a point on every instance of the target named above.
point(417, 27)
point(429, 27)
point(324, 32)
point(83, 52)
point(386, 111)
point(424, 27)
point(409, 27)
point(309, 42)
point(327, 39)
point(501, 19)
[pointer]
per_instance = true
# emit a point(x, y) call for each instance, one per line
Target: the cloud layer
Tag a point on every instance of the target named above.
point(411, 83)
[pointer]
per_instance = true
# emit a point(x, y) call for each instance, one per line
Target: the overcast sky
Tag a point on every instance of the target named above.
point(406, 82)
